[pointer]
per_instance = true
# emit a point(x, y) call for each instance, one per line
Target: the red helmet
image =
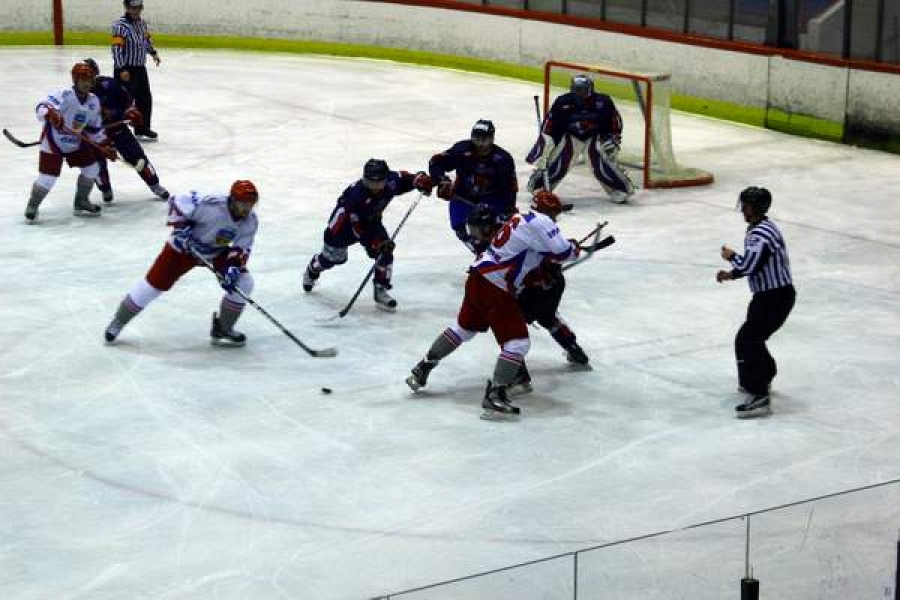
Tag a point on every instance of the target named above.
point(547, 203)
point(243, 190)
point(82, 70)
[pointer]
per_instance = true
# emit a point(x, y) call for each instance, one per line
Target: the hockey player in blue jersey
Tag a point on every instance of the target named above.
point(580, 120)
point(357, 218)
point(485, 174)
point(117, 106)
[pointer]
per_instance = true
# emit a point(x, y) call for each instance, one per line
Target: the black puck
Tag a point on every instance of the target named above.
point(326, 390)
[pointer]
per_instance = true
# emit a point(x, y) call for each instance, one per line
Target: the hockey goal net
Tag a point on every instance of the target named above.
point(643, 101)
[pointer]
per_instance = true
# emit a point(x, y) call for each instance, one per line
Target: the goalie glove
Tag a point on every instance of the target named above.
point(541, 151)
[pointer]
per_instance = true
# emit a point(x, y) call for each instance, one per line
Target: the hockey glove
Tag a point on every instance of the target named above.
point(183, 239)
point(134, 116)
point(445, 188)
point(230, 279)
point(422, 182)
point(54, 117)
point(107, 151)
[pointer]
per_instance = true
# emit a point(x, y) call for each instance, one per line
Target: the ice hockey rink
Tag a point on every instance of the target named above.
point(164, 468)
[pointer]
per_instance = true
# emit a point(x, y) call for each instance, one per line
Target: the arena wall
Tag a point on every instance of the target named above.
point(798, 96)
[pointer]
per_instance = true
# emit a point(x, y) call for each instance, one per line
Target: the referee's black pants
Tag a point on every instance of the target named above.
point(138, 85)
point(766, 314)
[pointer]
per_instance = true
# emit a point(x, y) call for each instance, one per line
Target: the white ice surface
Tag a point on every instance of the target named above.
point(163, 468)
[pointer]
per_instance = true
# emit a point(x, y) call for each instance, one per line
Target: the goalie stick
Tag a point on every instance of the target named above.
point(566, 207)
point(323, 353)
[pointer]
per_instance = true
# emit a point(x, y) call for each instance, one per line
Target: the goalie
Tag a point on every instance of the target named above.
point(580, 120)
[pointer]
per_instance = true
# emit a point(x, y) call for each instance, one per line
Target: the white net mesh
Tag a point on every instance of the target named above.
point(643, 101)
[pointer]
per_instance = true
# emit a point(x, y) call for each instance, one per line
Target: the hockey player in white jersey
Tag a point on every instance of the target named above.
point(221, 229)
point(72, 131)
point(495, 279)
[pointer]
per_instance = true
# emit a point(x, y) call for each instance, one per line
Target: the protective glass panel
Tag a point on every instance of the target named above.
point(666, 14)
point(750, 18)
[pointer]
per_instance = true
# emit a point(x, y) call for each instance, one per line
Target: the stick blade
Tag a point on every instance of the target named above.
point(325, 353)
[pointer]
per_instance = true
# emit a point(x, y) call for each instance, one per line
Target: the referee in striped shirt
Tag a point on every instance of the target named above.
point(130, 46)
point(766, 265)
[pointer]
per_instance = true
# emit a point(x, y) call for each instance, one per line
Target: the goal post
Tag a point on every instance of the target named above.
point(643, 99)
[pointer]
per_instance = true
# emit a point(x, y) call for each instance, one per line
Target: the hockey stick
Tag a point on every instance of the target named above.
point(323, 353)
point(595, 245)
point(17, 141)
point(343, 312)
point(8, 134)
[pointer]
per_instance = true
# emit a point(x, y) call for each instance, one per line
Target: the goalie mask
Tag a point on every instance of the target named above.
point(242, 198)
point(547, 203)
point(483, 222)
point(760, 199)
point(582, 86)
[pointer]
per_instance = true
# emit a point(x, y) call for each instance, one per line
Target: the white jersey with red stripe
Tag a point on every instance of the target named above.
point(214, 230)
point(520, 247)
point(80, 117)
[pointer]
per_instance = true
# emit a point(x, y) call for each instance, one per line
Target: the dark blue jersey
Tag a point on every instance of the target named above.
point(359, 211)
point(583, 118)
point(478, 178)
point(114, 98)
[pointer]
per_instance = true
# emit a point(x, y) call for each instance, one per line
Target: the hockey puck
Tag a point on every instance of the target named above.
point(326, 390)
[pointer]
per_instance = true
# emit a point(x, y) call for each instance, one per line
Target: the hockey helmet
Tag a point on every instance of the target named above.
point(483, 128)
point(93, 65)
point(82, 70)
point(483, 222)
point(547, 203)
point(582, 85)
point(375, 169)
point(133, 3)
point(242, 198)
point(758, 197)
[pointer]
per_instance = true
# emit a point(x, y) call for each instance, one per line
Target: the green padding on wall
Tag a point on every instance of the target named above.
point(777, 120)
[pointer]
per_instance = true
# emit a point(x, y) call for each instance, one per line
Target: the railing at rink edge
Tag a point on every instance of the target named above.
point(888, 553)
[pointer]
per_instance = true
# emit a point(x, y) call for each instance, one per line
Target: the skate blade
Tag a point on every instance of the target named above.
point(494, 415)
point(226, 343)
point(764, 411)
point(387, 309)
point(85, 213)
point(413, 383)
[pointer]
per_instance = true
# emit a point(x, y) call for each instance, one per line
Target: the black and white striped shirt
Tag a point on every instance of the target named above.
point(765, 261)
point(130, 43)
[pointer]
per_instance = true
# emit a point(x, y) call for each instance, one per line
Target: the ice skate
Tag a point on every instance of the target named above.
point(576, 355)
point(419, 376)
point(31, 210)
point(496, 405)
point(757, 406)
point(85, 208)
point(219, 337)
point(161, 192)
point(309, 279)
point(619, 197)
point(107, 195)
point(113, 330)
point(521, 385)
point(383, 300)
